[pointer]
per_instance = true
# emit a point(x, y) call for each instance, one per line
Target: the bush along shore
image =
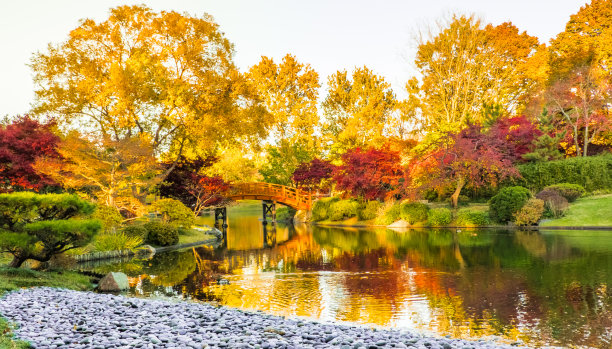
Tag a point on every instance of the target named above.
point(514, 206)
point(56, 318)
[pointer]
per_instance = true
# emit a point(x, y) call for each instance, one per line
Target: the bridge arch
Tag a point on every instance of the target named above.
point(288, 196)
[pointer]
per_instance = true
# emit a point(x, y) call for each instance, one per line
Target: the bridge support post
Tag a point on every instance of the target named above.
point(269, 235)
point(269, 210)
point(221, 215)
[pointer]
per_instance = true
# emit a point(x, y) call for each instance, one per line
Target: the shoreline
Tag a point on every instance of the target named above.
point(509, 227)
point(51, 317)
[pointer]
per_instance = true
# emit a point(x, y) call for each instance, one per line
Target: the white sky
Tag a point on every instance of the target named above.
point(330, 35)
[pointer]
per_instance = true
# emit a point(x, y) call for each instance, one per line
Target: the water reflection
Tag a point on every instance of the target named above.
point(545, 288)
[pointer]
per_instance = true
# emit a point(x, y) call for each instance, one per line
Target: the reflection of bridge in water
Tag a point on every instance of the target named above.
point(270, 195)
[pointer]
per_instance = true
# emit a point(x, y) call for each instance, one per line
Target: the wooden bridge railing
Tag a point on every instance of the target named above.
point(289, 196)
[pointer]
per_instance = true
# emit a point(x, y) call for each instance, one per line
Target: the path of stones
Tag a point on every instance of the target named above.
point(53, 318)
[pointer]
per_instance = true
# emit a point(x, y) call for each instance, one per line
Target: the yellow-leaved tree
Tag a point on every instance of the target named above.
point(471, 72)
point(166, 79)
point(357, 110)
point(290, 91)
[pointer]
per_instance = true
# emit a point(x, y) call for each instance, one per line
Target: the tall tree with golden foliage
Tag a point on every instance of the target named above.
point(357, 110)
point(165, 78)
point(467, 68)
point(290, 91)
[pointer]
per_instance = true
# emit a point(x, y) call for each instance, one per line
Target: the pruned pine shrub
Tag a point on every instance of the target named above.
point(507, 202)
point(174, 212)
point(530, 213)
point(35, 226)
point(161, 234)
point(439, 217)
point(414, 212)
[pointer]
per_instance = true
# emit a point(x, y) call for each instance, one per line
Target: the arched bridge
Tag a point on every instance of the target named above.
point(270, 194)
point(288, 196)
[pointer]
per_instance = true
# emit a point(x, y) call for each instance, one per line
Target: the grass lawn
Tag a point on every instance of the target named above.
point(588, 211)
point(193, 235)
point(12, 279)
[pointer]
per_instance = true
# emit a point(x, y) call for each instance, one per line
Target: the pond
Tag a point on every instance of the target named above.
point(543, 288)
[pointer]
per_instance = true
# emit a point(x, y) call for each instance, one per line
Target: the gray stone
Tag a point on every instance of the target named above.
point(114, 282)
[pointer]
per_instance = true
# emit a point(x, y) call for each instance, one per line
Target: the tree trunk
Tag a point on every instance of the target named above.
point(455, 196)
point(17, 262)
point(586, 140)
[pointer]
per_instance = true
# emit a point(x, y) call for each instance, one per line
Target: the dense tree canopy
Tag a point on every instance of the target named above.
point(467, 66)
point(116, 173)
point(189, 184)
point(20, 143)
point(357, 109)
point(370, 173)
point(466, 158)
point(165, 78)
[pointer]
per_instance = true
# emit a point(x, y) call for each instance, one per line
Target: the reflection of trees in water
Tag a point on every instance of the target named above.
point(475, 282)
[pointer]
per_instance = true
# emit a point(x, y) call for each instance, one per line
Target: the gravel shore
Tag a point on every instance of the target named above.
point(54, 318)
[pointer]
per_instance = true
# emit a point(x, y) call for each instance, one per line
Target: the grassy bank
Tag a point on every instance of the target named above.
point(587, 211)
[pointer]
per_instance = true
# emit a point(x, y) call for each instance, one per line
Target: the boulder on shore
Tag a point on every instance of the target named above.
point(113, 282)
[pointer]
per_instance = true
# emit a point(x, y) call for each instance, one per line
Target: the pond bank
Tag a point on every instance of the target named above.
point(50, 318)
point(534, 227)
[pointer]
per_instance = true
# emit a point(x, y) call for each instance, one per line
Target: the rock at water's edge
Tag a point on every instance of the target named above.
point(114, 282)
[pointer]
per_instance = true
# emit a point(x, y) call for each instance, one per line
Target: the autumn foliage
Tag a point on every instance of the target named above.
point(188, 184)
point(370, 173)
point(311, 175)
point(20, 143)
point(466, 158)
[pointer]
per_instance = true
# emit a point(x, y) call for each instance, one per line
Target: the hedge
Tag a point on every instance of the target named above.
point(592, 172)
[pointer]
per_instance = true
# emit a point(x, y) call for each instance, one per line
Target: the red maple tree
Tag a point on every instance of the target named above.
point(313, 174)
point(369, 174)
point(466, 158)
point(513, 137)
point(196, 190)
point(21, 142)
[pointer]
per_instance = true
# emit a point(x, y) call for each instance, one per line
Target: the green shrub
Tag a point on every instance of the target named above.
point(555, 205)
point(368, 210)
point(285, 214)
point(108, 216)
point(414, 212)
point(136, 230)
point(174, 212)
point(161, 234)
point(592, 173)
point(438, 217)
point(35, 226)
point(343, 209)
point(388, 213)
point(507, 202)
point(568, 190)
point(467, 217)
point(116, 242)
point(530, 213)
point(321, 209)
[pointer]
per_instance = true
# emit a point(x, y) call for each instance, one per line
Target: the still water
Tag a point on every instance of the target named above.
point(544, 288)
